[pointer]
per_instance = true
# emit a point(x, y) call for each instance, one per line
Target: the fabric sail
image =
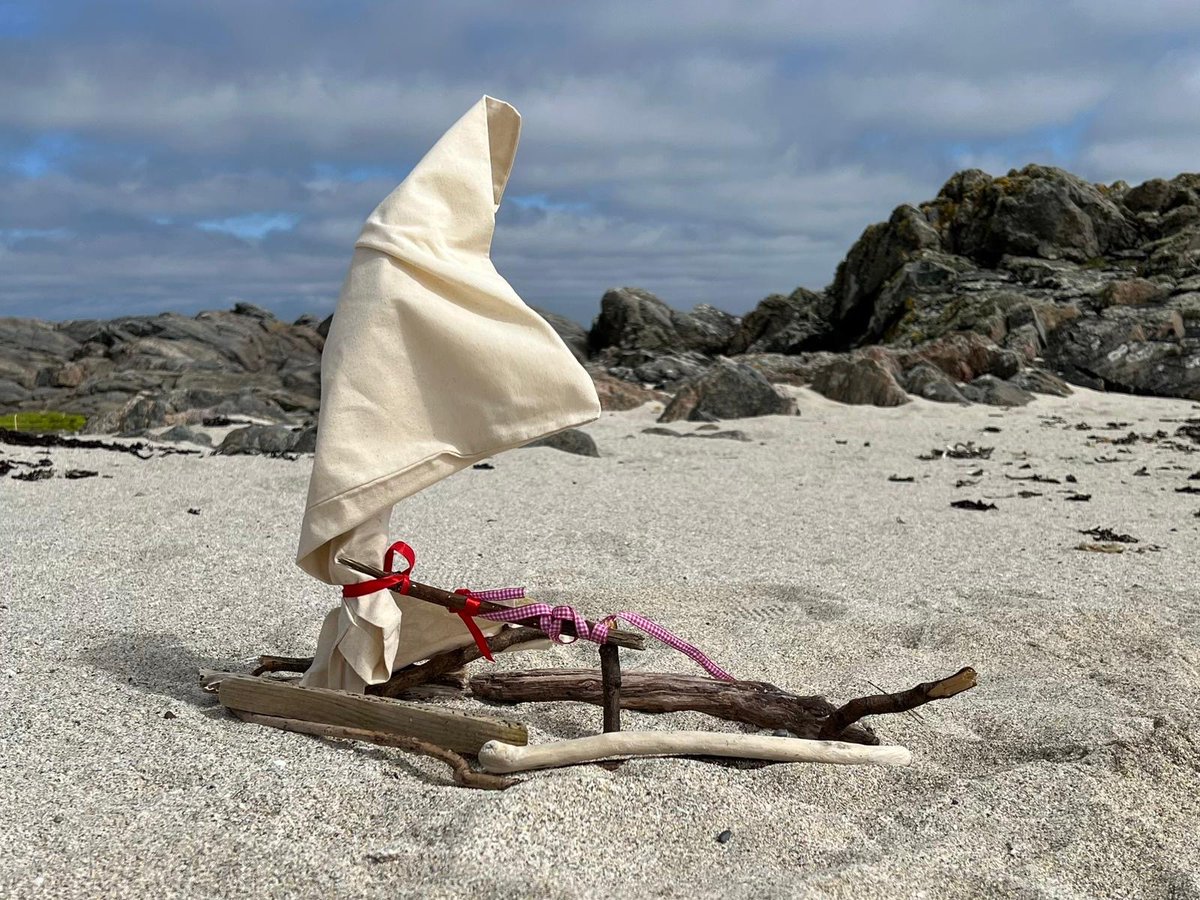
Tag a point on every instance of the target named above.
point(432, 363)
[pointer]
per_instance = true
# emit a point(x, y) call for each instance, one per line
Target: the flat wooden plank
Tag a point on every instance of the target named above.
point(459, 731)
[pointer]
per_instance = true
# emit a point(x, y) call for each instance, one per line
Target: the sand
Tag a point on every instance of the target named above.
point(1073, 770)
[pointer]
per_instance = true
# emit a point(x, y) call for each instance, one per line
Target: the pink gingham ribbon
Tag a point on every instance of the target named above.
point(550, 620)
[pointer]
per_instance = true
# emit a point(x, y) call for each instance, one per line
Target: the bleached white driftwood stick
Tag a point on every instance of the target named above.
point(497, 756)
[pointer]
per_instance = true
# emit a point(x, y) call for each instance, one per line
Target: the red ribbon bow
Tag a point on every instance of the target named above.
point(403, 578)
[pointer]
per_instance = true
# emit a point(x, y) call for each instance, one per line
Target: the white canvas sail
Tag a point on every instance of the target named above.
point(432, 363)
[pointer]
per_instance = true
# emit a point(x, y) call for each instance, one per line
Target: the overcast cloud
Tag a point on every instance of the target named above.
point(158, 154)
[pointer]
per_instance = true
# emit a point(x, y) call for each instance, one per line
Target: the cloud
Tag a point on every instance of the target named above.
point(157, 155)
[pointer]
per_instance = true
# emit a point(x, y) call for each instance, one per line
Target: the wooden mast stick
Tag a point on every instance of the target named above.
point(610, 674)
point(454, 603)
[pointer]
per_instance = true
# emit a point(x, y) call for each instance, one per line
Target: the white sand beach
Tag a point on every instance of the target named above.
point(1072, 770)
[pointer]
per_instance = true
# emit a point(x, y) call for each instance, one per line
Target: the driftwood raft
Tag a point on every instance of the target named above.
point(450, 735)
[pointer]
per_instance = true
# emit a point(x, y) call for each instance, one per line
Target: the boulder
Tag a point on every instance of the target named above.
point(928, 381)
point(135, 417)
point(861, 380)
point(1038, 211)
point(1131, 292)
point(964, 357)
point(184, 434)
point(665, 371)
point(705, 329)
point(728, 390)
point(793, 324)
point(617, 395)
point(11, 393)
point(572, 440)
point(1039, 381)
point(872, 261)
point(634, 319)
point(777, 368)
point(991, 390)
point(260, 440)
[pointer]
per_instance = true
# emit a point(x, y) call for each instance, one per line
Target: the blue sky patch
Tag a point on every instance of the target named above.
point(252, 227)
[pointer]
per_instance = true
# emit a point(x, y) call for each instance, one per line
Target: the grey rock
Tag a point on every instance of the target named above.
point(134, 418)
point(11, 393)
point(928, 381)
point(250, 406)
point(728, 390)
point(778, 368)
point(617, 394)
point(861, 380)
point(1036, 211)
point(991, 390)
point(665, 371)
point(872, 262)
point(306, 440)
point(1039, 381)
point(964, 356)
point(249, 309)
point(779, 324)
point(634, 319)
point(571, 440)
point(259, 440)
point(705, 329)
point(184, 434)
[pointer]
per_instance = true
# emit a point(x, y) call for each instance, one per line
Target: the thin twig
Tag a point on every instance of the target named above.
point(463, 773)
point(441, 663)
point(268, 663)
point(849, 713)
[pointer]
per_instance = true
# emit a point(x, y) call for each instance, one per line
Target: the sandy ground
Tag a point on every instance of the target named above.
point(1073, 770)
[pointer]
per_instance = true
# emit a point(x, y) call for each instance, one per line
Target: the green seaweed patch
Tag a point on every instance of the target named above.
point(43, 422)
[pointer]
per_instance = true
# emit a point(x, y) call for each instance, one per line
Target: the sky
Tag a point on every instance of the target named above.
point(164, 155)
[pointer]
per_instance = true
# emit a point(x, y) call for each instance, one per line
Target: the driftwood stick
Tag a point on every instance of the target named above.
point(497, 756)
point(752, 702)
point(458, 730)
point(463, 773)
point(610, 675)
point(441, 663)
point(454, 603)
point(268, 663)
point(848, 714)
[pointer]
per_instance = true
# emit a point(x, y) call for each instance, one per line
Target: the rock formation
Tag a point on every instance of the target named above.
point(996, 289)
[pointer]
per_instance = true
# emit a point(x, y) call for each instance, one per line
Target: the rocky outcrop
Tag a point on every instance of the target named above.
point(728, 390)
point(140, 372)
point(997, 288)
point(793, 324)
point(633, 319)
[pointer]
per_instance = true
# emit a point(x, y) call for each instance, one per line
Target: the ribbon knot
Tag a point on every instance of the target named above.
point(471, 608)
point(400, 581)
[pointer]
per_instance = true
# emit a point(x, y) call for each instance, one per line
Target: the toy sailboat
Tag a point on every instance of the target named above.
point(433, 363)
